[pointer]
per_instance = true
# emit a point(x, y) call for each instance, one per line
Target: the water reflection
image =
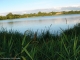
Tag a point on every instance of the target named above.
point(41, 24)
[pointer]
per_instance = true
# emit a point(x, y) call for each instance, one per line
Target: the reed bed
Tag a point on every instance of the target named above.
point(46, 46)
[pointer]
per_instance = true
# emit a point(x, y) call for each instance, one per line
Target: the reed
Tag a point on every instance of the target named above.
point(45, 46)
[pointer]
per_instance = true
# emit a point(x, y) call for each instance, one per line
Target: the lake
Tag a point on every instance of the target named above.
point(51, 23)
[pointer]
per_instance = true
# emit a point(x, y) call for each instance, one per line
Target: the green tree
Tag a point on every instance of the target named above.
point(9, 16)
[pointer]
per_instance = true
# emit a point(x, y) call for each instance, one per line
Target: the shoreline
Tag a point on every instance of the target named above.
point(39, 16)
point(17, 16)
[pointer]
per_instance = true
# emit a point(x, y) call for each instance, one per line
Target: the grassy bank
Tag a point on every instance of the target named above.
point(46, 46)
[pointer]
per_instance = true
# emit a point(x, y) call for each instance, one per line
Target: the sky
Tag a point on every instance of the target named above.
point(22, 5)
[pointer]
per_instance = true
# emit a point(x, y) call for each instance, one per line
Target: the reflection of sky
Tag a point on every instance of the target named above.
point(41, 23)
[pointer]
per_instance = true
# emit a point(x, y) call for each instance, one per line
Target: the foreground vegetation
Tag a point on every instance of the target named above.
point(14, 16)
point(46, 46)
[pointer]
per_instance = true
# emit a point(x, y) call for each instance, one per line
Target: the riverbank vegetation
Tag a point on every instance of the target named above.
point(46, 46)
point(14, 16)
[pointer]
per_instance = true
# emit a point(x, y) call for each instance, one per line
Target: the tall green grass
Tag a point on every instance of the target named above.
point(46, 46)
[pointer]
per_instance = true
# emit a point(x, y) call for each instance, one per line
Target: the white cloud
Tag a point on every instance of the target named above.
point(67, 8)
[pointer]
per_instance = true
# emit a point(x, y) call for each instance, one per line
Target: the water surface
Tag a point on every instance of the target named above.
point(52, 23)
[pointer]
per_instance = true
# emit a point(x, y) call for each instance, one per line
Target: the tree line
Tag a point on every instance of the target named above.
point(71, 12)
point(14, 16)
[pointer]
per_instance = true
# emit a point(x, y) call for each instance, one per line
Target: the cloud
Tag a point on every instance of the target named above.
point(70, 8)
point(55, 9)
point(67, 8)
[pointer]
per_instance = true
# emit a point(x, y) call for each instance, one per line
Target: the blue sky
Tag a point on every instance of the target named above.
point(22, 5)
